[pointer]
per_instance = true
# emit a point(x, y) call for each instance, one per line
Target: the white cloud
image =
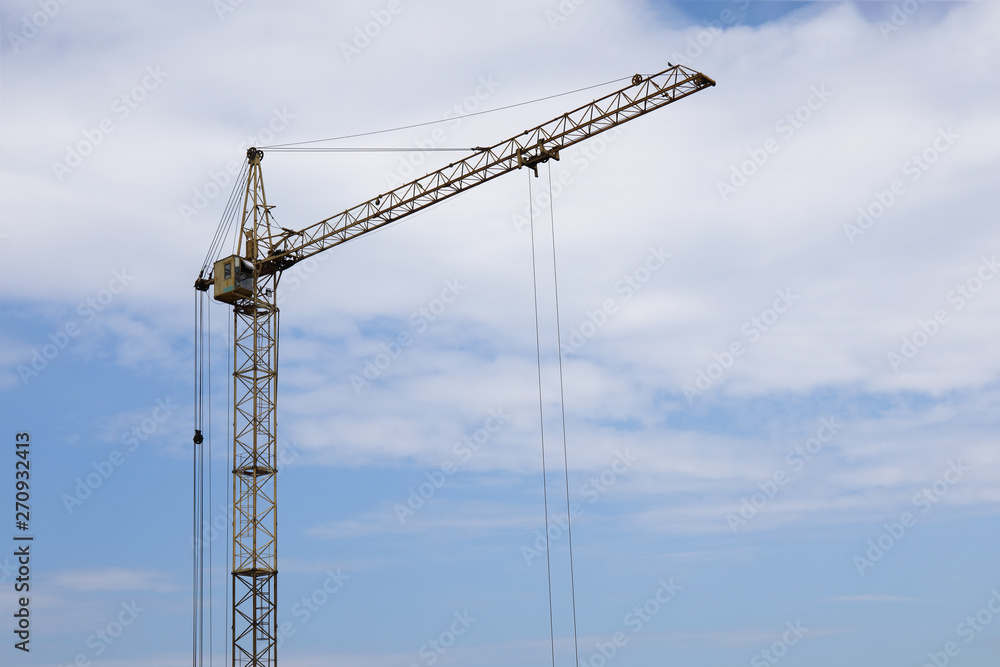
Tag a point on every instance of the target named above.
point(114, 579)
point(873, 598)
point(655, 185)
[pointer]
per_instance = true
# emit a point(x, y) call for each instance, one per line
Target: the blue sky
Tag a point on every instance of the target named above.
point(781, 443)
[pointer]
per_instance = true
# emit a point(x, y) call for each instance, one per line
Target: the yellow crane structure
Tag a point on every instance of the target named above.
point(248, 281)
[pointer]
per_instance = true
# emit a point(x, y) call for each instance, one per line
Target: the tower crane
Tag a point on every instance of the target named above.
point(248, 281)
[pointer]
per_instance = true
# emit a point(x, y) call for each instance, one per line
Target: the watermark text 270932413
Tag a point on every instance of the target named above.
point(22, 541)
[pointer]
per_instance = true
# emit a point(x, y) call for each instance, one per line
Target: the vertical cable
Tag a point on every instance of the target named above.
point(201, 496)
point(208, 514)
point(198, 489)
point(562, 405)
point(194, 501)
point(229, 466)
point(541, 422)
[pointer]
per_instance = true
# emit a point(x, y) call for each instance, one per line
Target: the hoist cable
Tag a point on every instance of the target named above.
point(207, 515)
point(444, 120)
point(230, 212)
point(222, 232)
point(229, 466)
point(201, 502)
point(198, 490)
point(194, 499)
point(226, 221)
point(541, 422)
point(233, 206)
point(562, 405)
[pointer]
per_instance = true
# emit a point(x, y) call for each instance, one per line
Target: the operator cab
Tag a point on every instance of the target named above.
point(233, 279)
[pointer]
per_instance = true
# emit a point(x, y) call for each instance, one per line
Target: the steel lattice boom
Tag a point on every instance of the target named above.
point(249, 281)
point(527, 150)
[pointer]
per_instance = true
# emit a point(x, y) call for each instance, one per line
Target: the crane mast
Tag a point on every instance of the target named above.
point(249, 280)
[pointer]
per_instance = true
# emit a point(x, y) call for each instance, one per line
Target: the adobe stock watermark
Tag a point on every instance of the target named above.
point(562, 13)
point(219, 524)
point(217, 181)
point(779, 649)
point(463, 451)
point(225, 7)
point(131, 440)
point(581, 160)
point(367, 33)
point(957, 298)
point(107, 635)
point(591, 490)
point(420, 321)
point(914, 169)
point(540, 201)
point(901, 14)
point(7, 569)
point(121, 108)
point(635, 620)
point(796, 461)
point(31, 26)
point(432, 650)
point(698, 43)
point(787, 127)
point(894, 532)
point(968, 630)
point(406, 168)
point(309, 605)
point(297, 275)
point(626, 288)
point(60, 339)
point(752, 330)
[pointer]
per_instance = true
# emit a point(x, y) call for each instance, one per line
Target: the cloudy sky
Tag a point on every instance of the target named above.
point(776, 301)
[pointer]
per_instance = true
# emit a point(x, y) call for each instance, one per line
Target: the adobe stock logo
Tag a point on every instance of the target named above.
point(371, 30)
point(432, 650)
point(635, 620)
point(699, 43)
point(795, 460)
point(894, 532)
point(463, 450)
point(900, 16)
point(753, 329)
point(121, 108)
point(627, 287)
point(31, 26)
point(914, 168)
point(779, 649)
point(927, 330)
point(969, 629)
point(420, 321)
point(60, 339)
point(788, 126)
point(592, 490)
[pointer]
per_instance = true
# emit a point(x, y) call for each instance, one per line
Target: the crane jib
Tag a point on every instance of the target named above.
point(529, 149)
point(248, 280)
point(532, 147)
